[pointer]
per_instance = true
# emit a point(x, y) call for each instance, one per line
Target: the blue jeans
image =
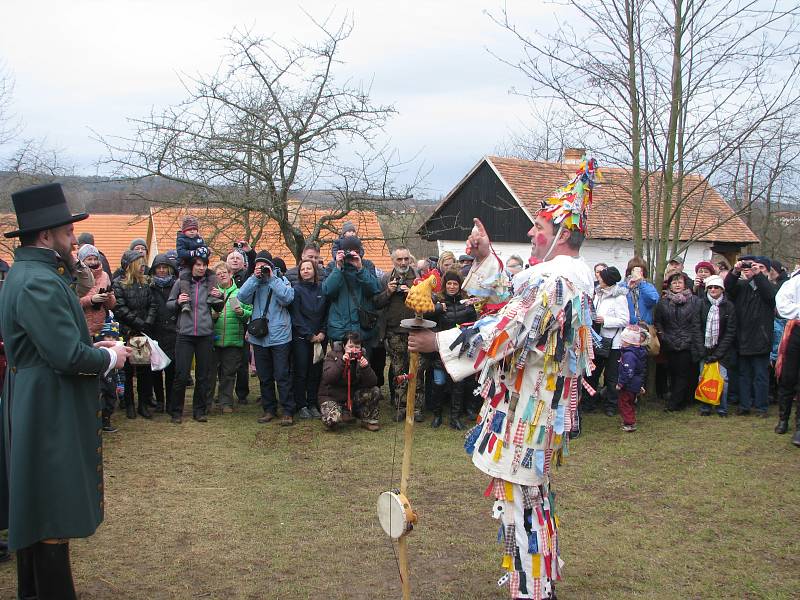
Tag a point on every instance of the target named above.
point(439, 376)
point(754, 382)
point(272, 366)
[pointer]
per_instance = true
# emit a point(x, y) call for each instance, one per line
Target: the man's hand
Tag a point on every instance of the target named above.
point(478, 242)
point(122, 352)
point(362, 362)
point(183, 298)
point(423, 340)
point(392, 286)
point(339, 259)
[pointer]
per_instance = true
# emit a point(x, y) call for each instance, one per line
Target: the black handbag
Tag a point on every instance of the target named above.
point(260, 327)
point(603, 349)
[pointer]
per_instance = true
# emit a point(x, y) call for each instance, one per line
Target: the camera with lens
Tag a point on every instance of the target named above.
point(747, 265)
point(265, 272)
point(353, 356)
point(238, 244)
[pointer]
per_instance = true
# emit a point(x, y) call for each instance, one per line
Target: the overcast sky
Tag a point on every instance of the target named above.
point(82, 65)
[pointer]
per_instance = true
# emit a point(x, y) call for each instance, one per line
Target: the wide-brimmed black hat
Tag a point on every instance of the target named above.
point(42, 207)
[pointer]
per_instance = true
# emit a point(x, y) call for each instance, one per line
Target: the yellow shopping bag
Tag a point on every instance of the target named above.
point(710, 385)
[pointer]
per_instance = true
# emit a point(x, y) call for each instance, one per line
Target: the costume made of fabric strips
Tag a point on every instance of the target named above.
point(530, 358)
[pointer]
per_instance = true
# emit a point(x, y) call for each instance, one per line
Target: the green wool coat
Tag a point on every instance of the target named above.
point(51, 457)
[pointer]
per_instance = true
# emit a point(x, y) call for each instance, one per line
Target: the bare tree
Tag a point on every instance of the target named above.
point(669, 91)
point(9, 126)
point(271, 123)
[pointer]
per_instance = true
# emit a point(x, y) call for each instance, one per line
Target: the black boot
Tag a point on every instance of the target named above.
point(782, 427)
point(436, 403)
point(143, 410)
point(130, 410)
point(26, 582)
point(52, 572)
point(796, 437)
point(107, 426)
point(456, 403)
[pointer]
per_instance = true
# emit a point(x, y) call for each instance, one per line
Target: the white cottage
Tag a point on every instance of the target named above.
point(506, 193)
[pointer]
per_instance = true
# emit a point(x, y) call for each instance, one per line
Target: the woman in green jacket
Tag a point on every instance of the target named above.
point(229, 330)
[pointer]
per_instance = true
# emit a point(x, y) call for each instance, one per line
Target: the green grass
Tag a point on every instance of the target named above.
point(687, 507)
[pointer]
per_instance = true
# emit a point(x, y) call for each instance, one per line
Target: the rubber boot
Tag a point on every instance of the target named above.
point(52, 572)
point(782, 427)
point(130, 409)
point(436, 402)
point(456, 403)
point(26, 581)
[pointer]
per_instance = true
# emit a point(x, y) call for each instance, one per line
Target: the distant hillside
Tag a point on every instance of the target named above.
point(100, 195)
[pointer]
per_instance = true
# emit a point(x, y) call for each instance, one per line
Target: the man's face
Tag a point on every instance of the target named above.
point(465, 263)
point(61, 239)
point(675, 266)
point(541, 235)
point(401, 259)
point(235, 262)
point(311, 254)
point(423, 267)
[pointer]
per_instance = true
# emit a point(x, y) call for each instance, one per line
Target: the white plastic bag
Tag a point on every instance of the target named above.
point(158, 358)
point(318, 353)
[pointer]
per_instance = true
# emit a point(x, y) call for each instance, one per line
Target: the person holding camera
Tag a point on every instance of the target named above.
point(753, 295)
point(392, 298)
point(270, 335)
point(100, 298)
point(348, 386)
point(350, 288)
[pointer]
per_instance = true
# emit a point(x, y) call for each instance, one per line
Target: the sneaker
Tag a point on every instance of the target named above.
point(201, 419)
point(722, 414)
point(629, 428)
point(419, 418)
point(304, 413)
point(266, 417)
point(287, 420)
point(109, 428)
point(226, 410)
point(370, 426)
point(176, 420)
point(315, 414)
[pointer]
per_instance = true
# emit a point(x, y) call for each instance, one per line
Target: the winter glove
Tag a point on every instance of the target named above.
point(202, 252)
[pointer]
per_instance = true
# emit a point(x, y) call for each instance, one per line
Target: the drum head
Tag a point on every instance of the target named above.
point(392, 515)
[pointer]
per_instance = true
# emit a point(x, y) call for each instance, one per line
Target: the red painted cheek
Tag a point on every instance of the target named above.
point(541, 240)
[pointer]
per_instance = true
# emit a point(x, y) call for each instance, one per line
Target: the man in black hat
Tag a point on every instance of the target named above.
point(51, 489)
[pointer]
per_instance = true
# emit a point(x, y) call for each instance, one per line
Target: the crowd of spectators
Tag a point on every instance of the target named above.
point(321, 335)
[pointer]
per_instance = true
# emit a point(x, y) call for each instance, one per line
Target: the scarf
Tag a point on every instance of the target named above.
point(163, 282)
point(680, 297)
point(712, 324)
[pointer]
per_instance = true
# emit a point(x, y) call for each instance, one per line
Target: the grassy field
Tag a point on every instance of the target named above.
point(687, 507)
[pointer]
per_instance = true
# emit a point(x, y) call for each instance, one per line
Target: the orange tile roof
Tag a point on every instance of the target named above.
point(705, 215)
point(113, 233)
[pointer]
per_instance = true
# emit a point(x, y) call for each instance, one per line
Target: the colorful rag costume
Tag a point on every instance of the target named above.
point(531, 358)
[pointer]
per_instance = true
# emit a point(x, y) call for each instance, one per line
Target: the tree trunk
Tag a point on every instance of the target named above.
point(631, 9)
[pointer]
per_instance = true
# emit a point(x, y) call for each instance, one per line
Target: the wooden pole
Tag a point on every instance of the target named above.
point(408, 439)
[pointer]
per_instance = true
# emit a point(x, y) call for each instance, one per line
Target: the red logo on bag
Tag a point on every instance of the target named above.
point(710, 388)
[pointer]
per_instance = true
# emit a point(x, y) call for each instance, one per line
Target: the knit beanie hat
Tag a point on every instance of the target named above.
point(610, 276)
point(85, 238)
point(452, 275)
point(279, 263)
point(189, 222)
point(86, 251)
point(264, 256)
point(348, 226)
point(128, 257)
point(351, 243)
point(714, 280)
point(763, 260)
point(137, 242)
point(632, 335)
point(704, 264)
point(110, 328)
